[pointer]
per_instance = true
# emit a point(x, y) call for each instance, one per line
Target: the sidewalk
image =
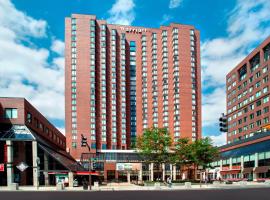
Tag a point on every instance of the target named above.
point(130, 187)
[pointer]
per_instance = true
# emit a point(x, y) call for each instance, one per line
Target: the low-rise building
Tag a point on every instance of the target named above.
point(247, 159)
point(32, 150)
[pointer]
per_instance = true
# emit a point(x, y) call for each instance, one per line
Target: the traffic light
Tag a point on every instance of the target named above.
point(223, 123)
point(83, 141)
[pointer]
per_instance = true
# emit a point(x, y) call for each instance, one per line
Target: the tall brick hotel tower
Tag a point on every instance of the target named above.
point(122, 79)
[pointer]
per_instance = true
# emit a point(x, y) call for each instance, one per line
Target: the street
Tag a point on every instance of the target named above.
point(217, 194)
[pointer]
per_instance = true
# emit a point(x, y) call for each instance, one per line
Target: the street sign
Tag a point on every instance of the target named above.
point(22, 166)
point(2, 167)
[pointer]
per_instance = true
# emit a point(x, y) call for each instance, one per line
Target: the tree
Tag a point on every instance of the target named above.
point(154, 145)
point(182, 152)
point(198, 153)
point(204, 152)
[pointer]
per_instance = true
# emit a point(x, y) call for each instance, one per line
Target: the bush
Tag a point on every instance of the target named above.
point(186, 180)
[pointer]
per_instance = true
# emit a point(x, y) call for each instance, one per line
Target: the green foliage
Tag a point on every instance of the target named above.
point(204, 152)
point(183, 152)
point(154, 144)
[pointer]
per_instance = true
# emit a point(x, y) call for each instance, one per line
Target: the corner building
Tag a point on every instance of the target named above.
point(123, 79)
point(248, 95)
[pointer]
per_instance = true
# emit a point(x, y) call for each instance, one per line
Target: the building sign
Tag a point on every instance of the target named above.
point(127, 166)
point(133, 30)
point(2, 167)
point(22, 166)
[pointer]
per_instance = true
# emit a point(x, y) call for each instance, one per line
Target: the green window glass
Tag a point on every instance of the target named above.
point(261, 156)
point(246, 158)
point(11, 113)
point(267, 155)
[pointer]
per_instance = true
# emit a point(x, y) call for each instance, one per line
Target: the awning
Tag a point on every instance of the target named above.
point(87, 173)
point(261, 169)
point(247, 170)
point(64, 173)
point(15, 133)
point(66, 160)
point(233, 171)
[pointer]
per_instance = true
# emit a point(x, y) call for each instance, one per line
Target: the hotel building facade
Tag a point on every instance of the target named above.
point(248, 95)
point(120, 80)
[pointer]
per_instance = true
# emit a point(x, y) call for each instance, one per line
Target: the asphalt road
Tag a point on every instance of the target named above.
point(228, 194)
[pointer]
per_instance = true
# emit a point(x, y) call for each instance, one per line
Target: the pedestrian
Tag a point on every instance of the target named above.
point(169, 182)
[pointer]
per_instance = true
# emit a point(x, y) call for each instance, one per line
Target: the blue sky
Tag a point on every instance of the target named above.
point(32, 48)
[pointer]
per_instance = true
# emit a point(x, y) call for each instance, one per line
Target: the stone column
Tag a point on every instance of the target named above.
point(230, 163)
point(220, 164)
point(105, 175)
point(171, 171)
point(163, 171)
point(151, 171)
point(128, 176)
point(70, 179)
point(46, 169)
point(230, 166)
point(116, 175)
point(35, 166)
point(10, 174)
point(242, 166)
point(256, 164)
point(140, 177)
point(174, 172)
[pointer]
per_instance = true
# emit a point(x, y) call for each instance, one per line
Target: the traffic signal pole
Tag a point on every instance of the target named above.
point(90, 177)
point(84, 143)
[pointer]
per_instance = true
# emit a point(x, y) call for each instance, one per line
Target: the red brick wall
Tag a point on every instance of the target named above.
point(53, 135)
point(259, 50)
point(83, 107)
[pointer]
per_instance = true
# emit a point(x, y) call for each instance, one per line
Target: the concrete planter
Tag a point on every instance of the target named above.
point(60, 186)
point(187, 184)
point(14, 186)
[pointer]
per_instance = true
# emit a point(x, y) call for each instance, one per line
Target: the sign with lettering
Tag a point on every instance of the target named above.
point(127, 166)
point(2, 167)
point(133, 30)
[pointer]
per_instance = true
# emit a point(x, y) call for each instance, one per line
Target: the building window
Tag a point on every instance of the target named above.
point(11, 113)
point(29, 118)
point(74, 145)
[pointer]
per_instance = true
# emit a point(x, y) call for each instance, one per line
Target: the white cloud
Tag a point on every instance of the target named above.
point(213, 105)
point(219, 140)
point(248, 25)
point(174, 3)
point(19, 22)
point(24, 69)
point(122, 12)
point(165, 19)
point(58, 47)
